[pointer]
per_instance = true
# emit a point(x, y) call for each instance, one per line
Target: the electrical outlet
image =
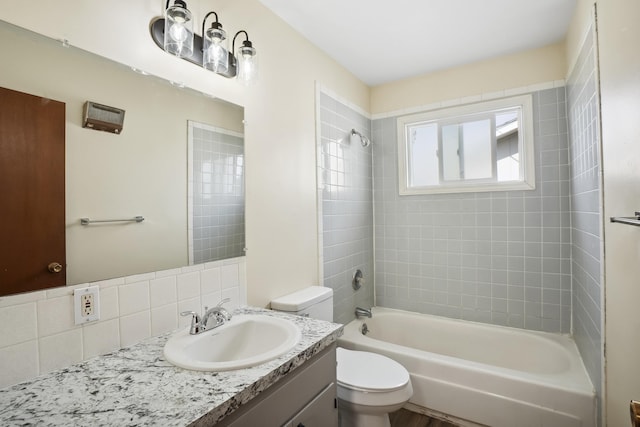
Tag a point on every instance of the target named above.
point(86, 302)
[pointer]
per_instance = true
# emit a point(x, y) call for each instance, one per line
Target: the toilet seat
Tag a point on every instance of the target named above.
point(369, 372)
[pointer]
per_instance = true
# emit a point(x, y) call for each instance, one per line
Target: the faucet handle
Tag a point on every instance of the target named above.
point(189, 313)
point(223, 311)
point(225, 300)
point(195, 321)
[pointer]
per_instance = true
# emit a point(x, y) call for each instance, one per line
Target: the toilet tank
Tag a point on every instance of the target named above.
point(314, 301)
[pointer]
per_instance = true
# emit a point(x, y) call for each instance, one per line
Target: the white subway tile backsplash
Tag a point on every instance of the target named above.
point(134, 328)
point(18, 323)
point(188, 285)
point(168, 273)
point(108, 283)
point(164, 319)
point(140, 277)
point(11, 300)
point(210, 280)
point(192, 268)
point(162, 291)
point(133, 298)
point(229, 276)
point(100, 337)
point(55, 315)
point(63, 291)
point(38, 328)
point(60, 350)
point(109, 303)
point(234, 296)
point(18, 363)
point(210, 300)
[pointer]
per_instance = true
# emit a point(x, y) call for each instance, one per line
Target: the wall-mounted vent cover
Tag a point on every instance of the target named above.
point(102, 117)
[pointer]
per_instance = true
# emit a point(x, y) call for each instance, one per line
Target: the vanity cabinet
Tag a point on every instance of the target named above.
point(304, 398)
point(315, 413)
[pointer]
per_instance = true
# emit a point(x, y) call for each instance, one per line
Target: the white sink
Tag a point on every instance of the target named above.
point(244, 341)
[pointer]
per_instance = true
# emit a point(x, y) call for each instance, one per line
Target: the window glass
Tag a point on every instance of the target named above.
point(481, 147)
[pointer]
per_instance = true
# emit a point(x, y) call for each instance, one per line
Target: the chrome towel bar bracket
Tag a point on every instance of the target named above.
point(87, 221)
point(627, 220)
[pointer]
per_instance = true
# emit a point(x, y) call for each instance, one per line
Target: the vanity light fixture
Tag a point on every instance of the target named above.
point(174, 34)
point(215, 54)
point(246, 58)
point(178, 29)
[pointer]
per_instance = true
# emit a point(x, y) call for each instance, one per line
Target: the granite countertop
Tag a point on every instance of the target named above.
point(136, 386)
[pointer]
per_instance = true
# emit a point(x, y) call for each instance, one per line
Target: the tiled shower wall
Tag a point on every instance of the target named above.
point(345, 199)
point(496, 257)
point(586, 215)
point(216, 194)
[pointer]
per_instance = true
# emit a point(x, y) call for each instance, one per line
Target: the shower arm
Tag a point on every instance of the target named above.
point(363, 139)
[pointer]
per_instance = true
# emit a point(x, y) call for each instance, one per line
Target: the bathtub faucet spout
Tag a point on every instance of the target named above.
point(363, 312)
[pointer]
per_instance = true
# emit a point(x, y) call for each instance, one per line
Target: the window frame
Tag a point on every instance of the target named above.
point(446, 116)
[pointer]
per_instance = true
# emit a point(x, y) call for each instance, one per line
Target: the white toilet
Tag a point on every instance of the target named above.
point(369, 385)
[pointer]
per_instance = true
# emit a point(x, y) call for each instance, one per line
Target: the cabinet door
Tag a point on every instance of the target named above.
point(320, 412)
point(32, 154)
point(292, 395)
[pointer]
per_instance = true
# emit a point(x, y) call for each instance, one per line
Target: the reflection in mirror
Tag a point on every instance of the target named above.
point(216, 193)
point(142, 171)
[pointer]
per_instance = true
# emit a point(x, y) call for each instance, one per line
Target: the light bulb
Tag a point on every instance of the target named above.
point(178, 32)
point(247, 64)
point(216, 57)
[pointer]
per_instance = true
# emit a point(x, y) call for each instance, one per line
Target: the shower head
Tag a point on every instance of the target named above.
point(363, 139)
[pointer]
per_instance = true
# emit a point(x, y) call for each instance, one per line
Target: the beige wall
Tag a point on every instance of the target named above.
point(280, 113)
point(519, 70)
point(580, 22)
point(619, 33)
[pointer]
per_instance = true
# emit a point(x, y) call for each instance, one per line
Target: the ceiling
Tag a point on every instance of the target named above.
point(382, 41)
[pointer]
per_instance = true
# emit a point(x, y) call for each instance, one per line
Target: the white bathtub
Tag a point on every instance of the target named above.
point(483, 374)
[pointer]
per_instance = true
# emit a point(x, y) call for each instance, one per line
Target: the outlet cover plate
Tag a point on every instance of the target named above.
point(79, 309)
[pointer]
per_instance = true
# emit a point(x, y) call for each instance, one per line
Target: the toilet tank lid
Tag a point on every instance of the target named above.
point(302, 299)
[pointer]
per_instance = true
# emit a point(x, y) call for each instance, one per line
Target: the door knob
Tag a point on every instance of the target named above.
point(54, 267)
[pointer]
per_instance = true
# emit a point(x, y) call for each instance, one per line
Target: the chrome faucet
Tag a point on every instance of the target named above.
point(200, 324)
point(363, 312)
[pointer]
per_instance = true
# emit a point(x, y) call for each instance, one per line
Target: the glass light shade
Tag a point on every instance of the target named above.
point(178, 30)
point(216, 53)
point(247, 61)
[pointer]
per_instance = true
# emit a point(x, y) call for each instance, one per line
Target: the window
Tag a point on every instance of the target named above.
point(481, 147)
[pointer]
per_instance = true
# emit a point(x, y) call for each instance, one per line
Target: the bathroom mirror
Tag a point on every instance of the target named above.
point(142, 171)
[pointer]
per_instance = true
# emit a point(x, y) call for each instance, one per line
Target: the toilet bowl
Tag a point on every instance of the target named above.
point(370, 386)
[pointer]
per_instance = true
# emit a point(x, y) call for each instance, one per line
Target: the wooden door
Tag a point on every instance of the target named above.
point(32, 216)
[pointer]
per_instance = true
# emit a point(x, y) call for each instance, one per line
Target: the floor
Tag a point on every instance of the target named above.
point(405, 418)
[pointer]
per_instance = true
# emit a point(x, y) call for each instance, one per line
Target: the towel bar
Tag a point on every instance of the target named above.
point(87, 221)
point(627, 220)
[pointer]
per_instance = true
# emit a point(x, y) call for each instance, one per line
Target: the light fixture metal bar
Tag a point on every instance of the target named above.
point(157, 34)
